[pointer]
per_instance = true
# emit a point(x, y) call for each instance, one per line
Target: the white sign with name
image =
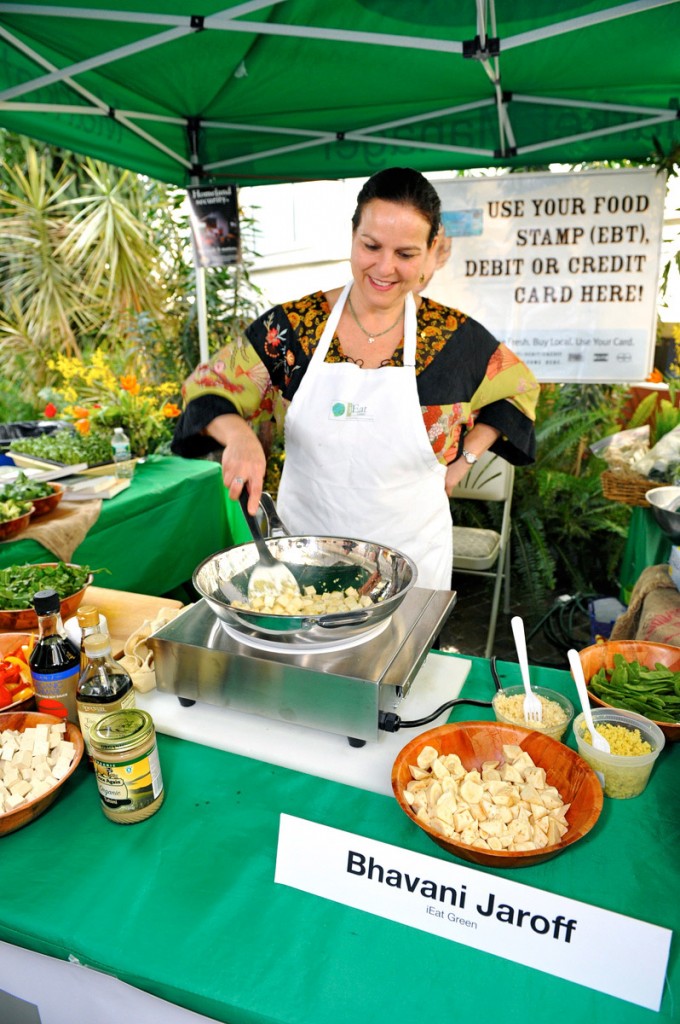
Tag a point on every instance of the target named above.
point(562, 267)
point(560, 936)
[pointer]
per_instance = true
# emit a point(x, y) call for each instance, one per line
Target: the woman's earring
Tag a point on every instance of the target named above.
point(421, 278)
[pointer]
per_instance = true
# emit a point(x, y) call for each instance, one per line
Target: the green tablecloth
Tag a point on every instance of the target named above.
point(646, 545)
point(152, 536)
point(184, 905)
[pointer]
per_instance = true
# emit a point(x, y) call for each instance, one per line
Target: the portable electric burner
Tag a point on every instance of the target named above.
point(339, 686)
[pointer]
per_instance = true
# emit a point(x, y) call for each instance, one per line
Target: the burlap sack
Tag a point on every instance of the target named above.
point(65, 528)
point(654, 610)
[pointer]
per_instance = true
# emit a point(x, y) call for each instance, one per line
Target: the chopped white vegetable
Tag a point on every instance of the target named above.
point(32, 763)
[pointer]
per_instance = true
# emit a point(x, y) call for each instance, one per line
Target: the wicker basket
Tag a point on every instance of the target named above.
point(627, 488)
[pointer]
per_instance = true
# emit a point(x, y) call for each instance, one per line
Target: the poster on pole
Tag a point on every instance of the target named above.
point(564, 268)
point(214, 224)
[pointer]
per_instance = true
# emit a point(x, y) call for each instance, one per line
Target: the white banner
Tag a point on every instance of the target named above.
point(562, 267)
point(560, 936)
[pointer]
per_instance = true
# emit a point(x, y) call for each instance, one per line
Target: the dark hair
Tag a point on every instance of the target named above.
point(406, 186)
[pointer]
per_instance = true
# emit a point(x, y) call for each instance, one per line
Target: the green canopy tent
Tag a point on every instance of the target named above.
point(283, 90)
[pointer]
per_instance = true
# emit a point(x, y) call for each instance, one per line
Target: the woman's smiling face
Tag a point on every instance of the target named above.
point(389, 253)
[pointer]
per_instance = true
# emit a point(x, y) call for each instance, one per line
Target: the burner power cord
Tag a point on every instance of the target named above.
point(388, 721)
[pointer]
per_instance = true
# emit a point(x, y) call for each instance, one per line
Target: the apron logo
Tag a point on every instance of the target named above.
point(348, 410)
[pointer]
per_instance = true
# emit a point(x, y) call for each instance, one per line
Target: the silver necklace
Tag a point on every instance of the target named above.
point(371, 335)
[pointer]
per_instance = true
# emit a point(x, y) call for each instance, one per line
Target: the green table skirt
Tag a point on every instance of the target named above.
point(646, 545)
point(151, 537)
point(184, 905)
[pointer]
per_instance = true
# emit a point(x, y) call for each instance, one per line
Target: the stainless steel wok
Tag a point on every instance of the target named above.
point(384, 574)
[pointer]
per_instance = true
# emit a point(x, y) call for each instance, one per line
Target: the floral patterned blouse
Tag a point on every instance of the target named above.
point(463, 376)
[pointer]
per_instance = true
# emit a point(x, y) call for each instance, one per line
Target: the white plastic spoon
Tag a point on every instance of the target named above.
point(597, 741)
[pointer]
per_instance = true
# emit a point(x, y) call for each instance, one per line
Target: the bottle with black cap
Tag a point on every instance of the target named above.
point(104, 685)
point(54, 661)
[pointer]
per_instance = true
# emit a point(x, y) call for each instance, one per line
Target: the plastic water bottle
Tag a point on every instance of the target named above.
point(120, 443)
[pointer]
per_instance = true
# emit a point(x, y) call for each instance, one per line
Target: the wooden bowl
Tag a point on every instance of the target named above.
point(41, 506)
point(11, 527)
point(10, 821)
point(476, 742)
point(11, 644)
point(18, 619)
point(643, 651)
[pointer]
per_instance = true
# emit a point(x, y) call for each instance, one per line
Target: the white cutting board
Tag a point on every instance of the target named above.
point(324, 754)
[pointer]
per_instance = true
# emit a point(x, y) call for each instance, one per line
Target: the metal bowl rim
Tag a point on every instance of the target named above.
point(311, 619)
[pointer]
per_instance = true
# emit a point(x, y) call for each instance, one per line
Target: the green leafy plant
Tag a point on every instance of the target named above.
point(89, 393)
point(96, 257)
point(566, 536)
point(67, 447)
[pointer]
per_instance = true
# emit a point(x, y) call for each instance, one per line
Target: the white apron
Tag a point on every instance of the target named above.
point(359, 462)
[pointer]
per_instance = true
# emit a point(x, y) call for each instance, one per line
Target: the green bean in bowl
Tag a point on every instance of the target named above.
point(636, 675)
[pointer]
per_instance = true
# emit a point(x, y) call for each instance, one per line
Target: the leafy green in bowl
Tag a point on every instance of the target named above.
point(23, 489)
point(18, 584)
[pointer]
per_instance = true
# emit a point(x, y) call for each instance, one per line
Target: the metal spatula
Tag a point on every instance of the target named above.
point(270, 577)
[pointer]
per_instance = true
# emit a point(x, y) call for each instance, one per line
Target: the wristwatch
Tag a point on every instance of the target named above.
point(469, 457)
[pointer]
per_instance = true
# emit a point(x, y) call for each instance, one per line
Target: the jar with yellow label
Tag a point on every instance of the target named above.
point(126, 765)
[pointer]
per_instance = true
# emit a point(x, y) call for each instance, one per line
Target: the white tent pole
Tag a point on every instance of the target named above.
point(143, 17)
point(357, 136)
point(150, 139)
point(43, 62)
point(99, 109)
point(95, 62)
point(400, 122)
point(201, 312)
point(585, 21)
point(622, 108)
point(270, 152)
point(632, 126)
point(263, 129)
point(437, 146)
point(319, 138)
point(226, 21)
point(337, 35)
point(199, 270)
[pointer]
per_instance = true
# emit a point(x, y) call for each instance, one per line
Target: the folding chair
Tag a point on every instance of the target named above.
point(480, 552)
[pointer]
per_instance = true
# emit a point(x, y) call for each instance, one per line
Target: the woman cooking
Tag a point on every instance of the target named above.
point(388, 397)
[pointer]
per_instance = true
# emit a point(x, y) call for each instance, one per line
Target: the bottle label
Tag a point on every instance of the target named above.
point(129, 785)
point(88, 714)
point(55, 692)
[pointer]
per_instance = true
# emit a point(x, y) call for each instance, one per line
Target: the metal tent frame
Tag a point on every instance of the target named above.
point(160, 25)
point(283, 90)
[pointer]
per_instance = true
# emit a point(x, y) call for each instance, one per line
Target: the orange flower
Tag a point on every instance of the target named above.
point(170, 410)
point(80, 412)
point(656, 376)
point(82, 426)
point(130, 384)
